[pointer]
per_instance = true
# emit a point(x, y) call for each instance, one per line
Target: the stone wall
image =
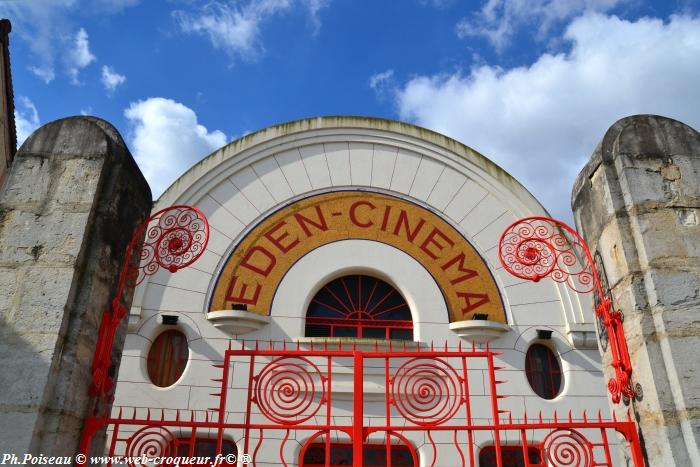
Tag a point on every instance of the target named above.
point(637, 202)
point(72, 200)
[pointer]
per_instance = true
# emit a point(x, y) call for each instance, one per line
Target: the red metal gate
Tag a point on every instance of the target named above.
point(285, 404)
point(443, 403)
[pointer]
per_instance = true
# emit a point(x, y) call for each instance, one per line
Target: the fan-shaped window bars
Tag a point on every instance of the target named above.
point(359, 306)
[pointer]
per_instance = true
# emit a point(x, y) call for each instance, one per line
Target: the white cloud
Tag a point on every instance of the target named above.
point(48, 28)
point(45, 73)
point(41, 25)
point(542, 122)
point(167, 139)
point(237, 29)
point(382, 82)
point(498, 20)
point(79, 55)
point(26, 119)
point(314, 7)
point(111, 79)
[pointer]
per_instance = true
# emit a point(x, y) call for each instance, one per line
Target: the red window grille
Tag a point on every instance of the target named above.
point(167, 358)
point(359, 306)
point(511, 456)
point(543, 371)
point(204, 448)
point(373, 455)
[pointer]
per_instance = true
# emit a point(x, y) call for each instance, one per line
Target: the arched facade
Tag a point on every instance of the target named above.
point(295, 206)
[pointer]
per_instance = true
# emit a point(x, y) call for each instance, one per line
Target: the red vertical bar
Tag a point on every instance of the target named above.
point(222, 404)
point(249, 402)
point(387, 410)
point(467, 403)
point(635, 446)
point(193, 441)
point(494, 411)
point(327, 461)
point(358, 416)
point(606, 447)
point(526, 449)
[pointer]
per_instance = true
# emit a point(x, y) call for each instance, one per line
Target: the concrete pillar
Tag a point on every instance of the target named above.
point(637, 202)
point(71, 202)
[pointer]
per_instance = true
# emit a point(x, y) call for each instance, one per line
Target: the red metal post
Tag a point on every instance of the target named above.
point(495, 413)
point(175, 237)
point(358, 440)
point(536, 247)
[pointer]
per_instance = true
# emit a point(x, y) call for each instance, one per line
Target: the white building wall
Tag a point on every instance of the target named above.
point(242, 183)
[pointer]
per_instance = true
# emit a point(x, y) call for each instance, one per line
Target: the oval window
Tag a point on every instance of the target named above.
point(167, 358)
point(543, 371)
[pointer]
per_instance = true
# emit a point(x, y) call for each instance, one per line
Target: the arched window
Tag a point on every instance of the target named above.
point(359, 306)
point(167, 358)
point(543, 371)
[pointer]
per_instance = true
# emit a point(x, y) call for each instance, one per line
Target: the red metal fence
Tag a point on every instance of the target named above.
point(311, 406)
point(288, 405)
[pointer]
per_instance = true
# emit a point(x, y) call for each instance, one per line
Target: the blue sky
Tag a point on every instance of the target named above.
point(532, 84)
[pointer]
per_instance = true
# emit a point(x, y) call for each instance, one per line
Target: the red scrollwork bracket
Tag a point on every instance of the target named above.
point(175, 237)
point(537, 247)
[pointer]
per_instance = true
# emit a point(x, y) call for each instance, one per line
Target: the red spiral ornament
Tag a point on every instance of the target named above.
point(286, 390)
point(175, 238)
point(426, 391)
point(538, 247)
point(150, 442)
point(566, 447)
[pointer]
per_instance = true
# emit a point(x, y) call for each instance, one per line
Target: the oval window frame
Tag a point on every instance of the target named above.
point(181, 362)
point(532, 375)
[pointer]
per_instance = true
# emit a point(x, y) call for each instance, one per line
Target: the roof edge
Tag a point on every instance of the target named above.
point(177, 188)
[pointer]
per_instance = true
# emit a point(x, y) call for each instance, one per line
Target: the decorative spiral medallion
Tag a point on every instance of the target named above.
point(426, 391)
point(614, 390)
point(150, 442)
point(285, 390)
point(537, 247)
point(175, 238)
point(565, 447)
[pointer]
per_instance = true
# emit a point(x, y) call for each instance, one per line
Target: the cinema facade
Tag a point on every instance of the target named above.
point(350, 302)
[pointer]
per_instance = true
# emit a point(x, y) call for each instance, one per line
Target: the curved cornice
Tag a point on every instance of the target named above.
point(288, 130)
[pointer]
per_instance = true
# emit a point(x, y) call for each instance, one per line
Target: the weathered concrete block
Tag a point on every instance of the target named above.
point(77, 180)
point(635, 203)
point(31, 184)
point(30, 236)
point(8, 285)
point(42, 303)
point(675, 288)
point(25, 366)
point(74, 198)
